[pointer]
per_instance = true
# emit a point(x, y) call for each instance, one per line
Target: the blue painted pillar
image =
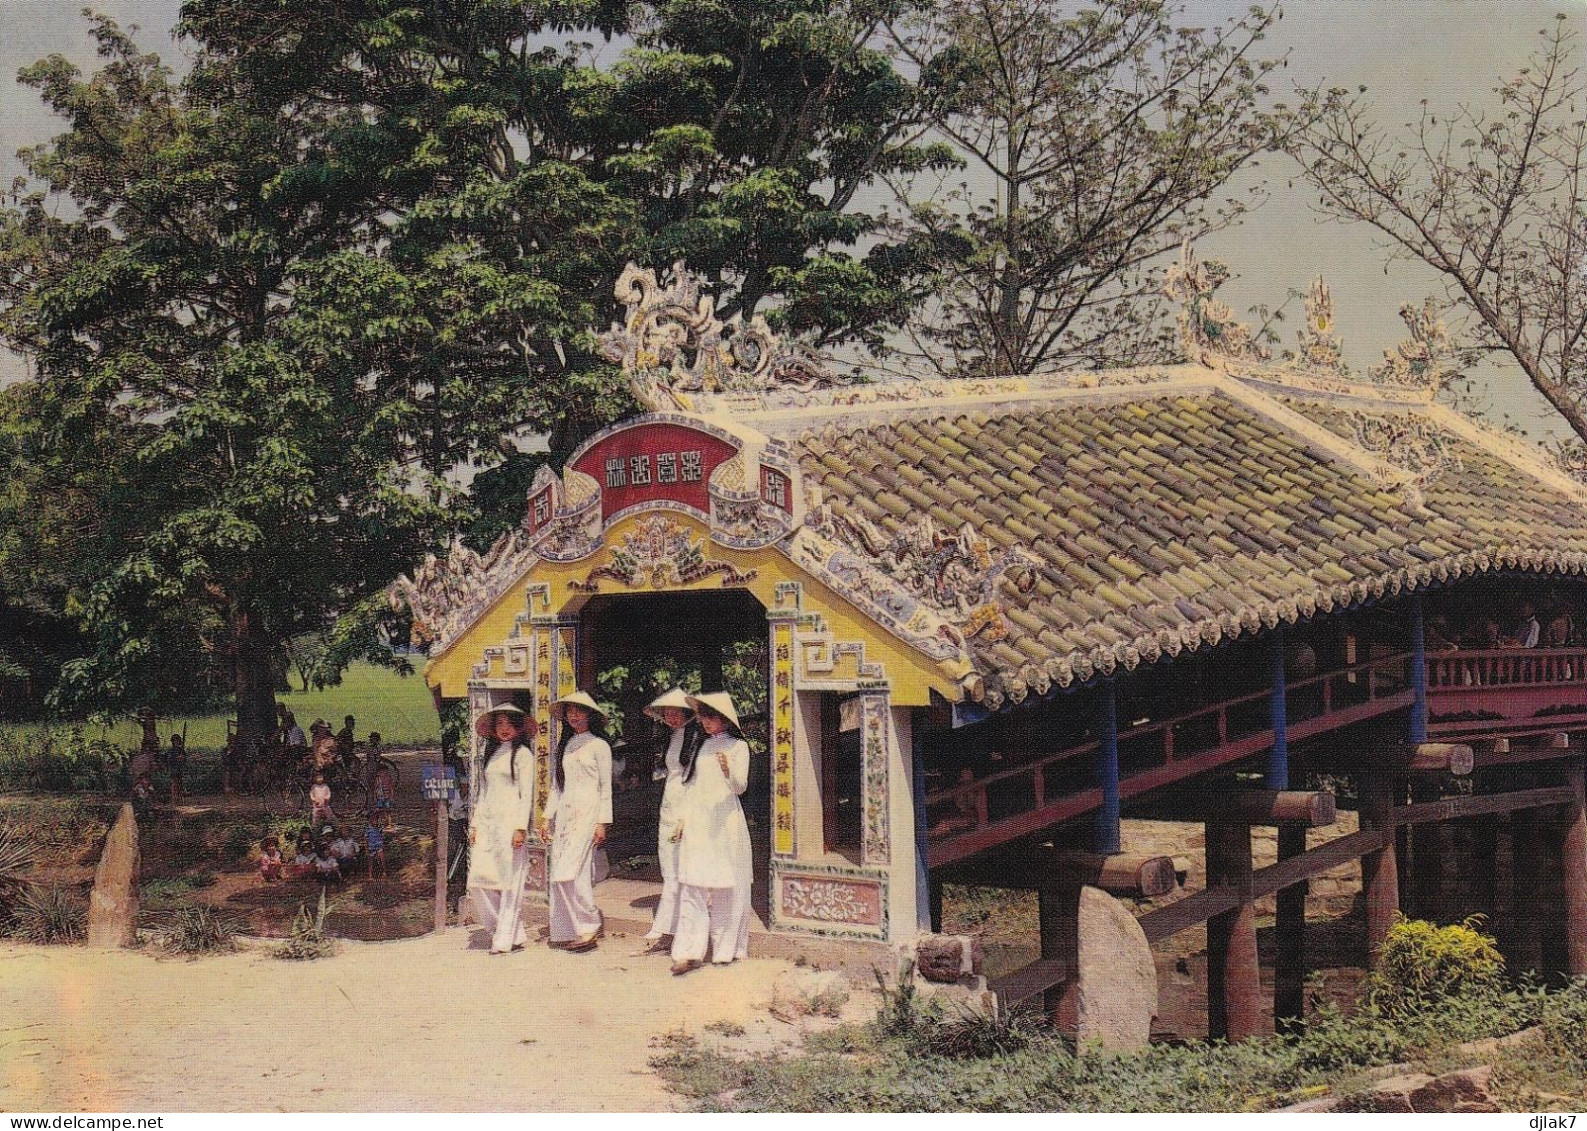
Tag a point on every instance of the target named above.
point(1278, 757)
point(1105, 835)
point(1418, 672)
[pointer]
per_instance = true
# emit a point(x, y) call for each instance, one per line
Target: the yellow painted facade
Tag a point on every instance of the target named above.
point(911, 676)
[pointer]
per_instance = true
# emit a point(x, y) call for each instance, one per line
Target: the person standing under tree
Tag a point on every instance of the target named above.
point(498, 862)
point(715, 869)
point(684, 739)
point(579, 811)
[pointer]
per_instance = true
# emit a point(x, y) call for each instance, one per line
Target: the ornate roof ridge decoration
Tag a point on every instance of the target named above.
point(1509, 450)
point(672, 345)
point(1423, 360)
point(1320, 349)
point(993, 689)
point(1208, 328)
point(956, 574)
point(445, 596)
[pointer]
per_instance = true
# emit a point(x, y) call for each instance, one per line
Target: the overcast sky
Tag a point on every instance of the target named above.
point(1445, 51)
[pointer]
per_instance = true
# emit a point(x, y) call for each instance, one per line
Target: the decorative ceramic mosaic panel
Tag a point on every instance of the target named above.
point(873, 751)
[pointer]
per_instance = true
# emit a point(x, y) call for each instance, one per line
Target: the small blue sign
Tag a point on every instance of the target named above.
point(439, 782)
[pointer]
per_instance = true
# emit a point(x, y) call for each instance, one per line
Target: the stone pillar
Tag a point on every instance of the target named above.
point(1380, 874)
point(1234, 986)
point(113, 906)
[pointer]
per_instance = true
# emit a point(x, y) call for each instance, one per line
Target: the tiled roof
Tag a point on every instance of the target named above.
point(1164, 516)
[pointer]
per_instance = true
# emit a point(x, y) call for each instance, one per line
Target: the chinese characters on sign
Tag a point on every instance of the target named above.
point(657, 462)
point(635, 470)
point(782, 808)
point(542, 670)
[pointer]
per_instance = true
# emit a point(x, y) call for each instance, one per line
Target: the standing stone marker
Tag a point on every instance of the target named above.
point(113, 907)
point(1117, 979)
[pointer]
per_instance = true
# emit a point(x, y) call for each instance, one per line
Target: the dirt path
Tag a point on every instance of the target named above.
point(422, 1024)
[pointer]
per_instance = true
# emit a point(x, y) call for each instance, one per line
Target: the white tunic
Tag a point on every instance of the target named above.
point(502, 807)
point(583, 801)
point(715, 850)
point(672, 792)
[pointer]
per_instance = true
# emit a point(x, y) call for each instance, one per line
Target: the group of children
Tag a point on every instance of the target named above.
point(331, 858)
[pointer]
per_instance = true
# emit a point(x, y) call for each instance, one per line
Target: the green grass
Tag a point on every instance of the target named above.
point(399, 707)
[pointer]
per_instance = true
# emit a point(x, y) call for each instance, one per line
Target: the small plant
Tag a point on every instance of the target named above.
point(976, 1036)
point(1565, 1023)
point(1422, 964)
point(900, 1013)
point(199, 929)
point(50, 915)
point(725, 1028)
point(16, 861)
point(308, 939)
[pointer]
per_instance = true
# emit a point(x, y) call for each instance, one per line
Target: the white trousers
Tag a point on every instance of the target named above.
point(715, 916)
point(573, 912)
point(666, 920)
point(501, 912)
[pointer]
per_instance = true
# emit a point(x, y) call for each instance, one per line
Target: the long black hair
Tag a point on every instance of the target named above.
point(693, 738)
point(517, 744)
point(597, 728)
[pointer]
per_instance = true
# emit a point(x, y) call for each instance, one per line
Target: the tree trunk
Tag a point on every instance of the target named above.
point(253, 678)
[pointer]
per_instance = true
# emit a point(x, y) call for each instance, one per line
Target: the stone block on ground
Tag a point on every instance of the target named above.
point(113, 906)
point(947, 958)
point(1117, 977)
point(1463, 1091)
point(1394, 1094)
point(801, 993)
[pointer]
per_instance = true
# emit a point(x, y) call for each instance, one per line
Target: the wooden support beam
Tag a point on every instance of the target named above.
point(1058, 909)
point(1198, 908)
point(1315, 808)
point(1234, 986)
point(1573, 855)
point(1028, 981)
point(1120, 873)
point(1450, 757)
point(1289, 967)
point(1474, 805)
point(1512, 752)
point(1525, 895)
point(1379, 870)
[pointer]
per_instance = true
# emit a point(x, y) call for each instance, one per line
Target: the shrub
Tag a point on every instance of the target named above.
point(976, 1036)
point(1334, 1042)
point(50, 914)
point(16, 861)
point(1564, 1019)
point(60, 760)
point(199, 929)
point(1422, 964)
point(308, 939)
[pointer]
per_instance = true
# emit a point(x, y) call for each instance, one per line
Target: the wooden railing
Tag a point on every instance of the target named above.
point(1506, 667)
point(1155, 753)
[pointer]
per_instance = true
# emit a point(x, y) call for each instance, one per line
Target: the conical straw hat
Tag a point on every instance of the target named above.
point(579, 699)
point(720, 702)
point(674, 698)
point(485, 725)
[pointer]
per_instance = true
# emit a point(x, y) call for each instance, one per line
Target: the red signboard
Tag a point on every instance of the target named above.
point(654, 463)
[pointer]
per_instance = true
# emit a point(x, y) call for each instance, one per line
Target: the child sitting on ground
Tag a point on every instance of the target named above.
point(326, 868)
point(374, 846)
point(270, 860)
point(320, 799)
point(345, 849)
point(302, 863)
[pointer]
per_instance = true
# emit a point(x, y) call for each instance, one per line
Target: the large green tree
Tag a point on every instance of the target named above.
point(359, 244)
point(1097, 137)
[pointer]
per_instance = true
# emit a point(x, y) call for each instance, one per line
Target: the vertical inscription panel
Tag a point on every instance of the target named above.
point(782, 745)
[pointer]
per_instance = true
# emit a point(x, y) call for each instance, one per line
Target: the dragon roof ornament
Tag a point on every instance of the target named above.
point(446, 595)
point(1207, 325)
point(672, 345)
point(1425, 359)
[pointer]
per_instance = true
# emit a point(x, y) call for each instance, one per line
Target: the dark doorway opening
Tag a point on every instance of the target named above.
point(635, 646)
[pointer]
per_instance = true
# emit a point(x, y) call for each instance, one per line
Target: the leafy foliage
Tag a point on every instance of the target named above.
point(50, 914)
point(1098, 138)
point(17, 855)
point(59, 760)
point(308, 939)
point(198, 929)
point(1422, 964)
